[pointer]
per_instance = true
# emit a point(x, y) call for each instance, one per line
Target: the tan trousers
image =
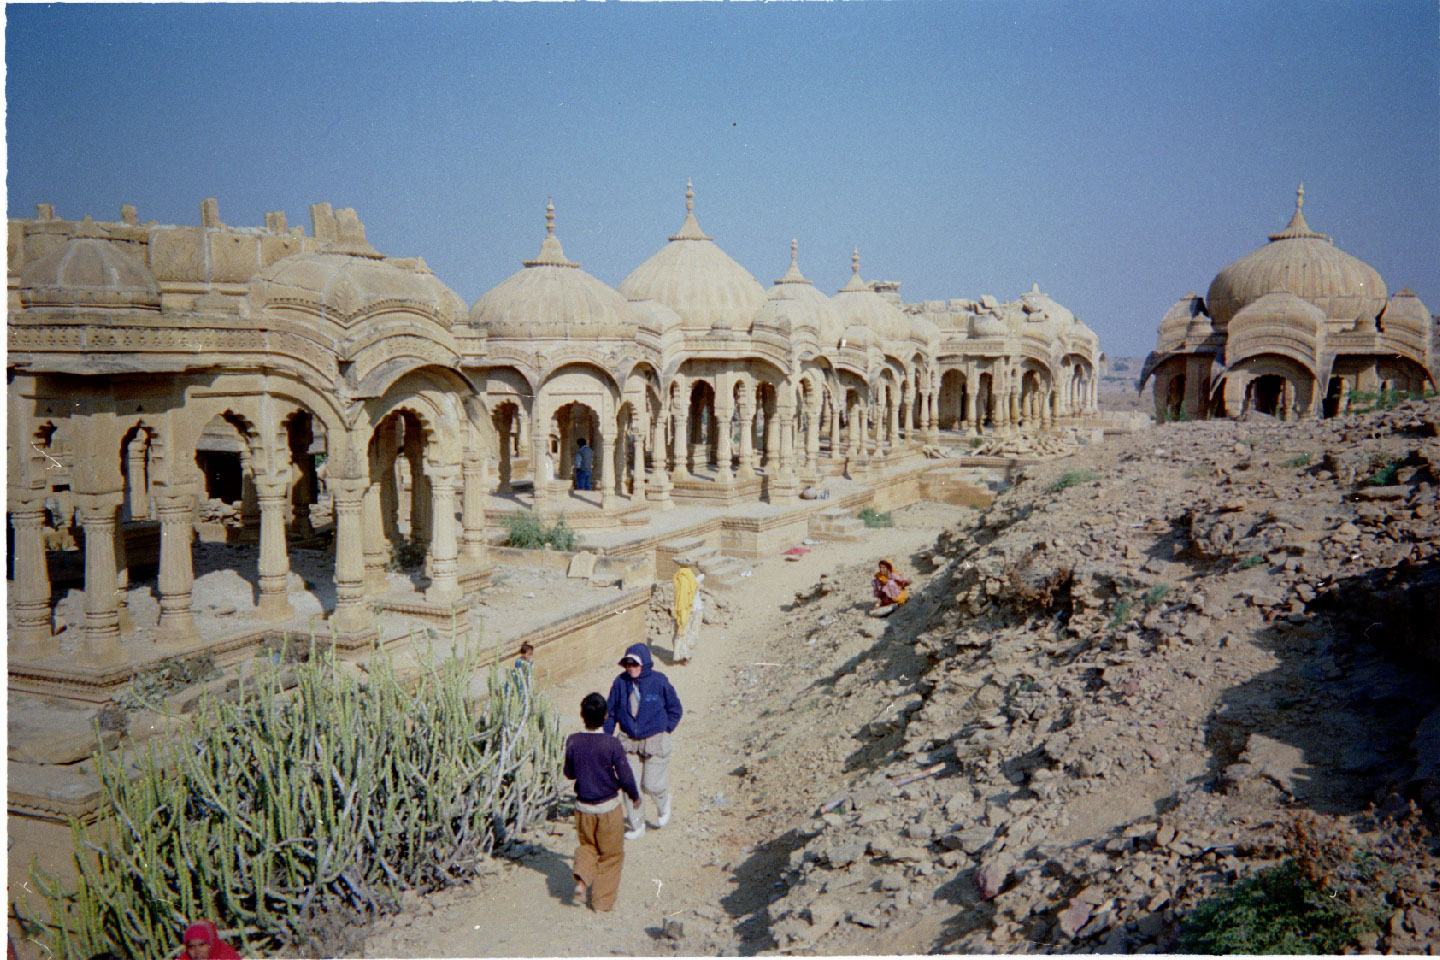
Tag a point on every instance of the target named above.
point(600, 855)
point(650, 762)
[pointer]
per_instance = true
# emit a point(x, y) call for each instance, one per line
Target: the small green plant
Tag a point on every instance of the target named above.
point(525, 532)
point(1299, 460)
point(1073, 478)
point(1121, 614)
point(1322, 900)
point(562, 536)
point(1155, 594)
point(1368, 401)
point(1173, 414)
point(976, 442)
point(1382, 472)
point(874, 518)
point(1254, 560)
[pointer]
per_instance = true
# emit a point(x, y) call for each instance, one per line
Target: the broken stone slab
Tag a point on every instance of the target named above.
point(582, 566)
point(1074, 917)
point(992, 876)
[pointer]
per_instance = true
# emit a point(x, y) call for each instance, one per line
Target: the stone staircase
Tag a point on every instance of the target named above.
point(837, 523)
point(721, 572)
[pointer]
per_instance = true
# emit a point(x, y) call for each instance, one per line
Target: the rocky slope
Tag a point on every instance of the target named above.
point(1109, 699)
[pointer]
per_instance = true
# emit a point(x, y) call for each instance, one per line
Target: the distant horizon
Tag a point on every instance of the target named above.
point(1118, 155)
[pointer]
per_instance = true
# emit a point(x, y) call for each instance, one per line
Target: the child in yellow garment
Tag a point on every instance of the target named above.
point(688, 612)
point(891, 590)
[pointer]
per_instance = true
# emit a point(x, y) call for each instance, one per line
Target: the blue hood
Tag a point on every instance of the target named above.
point(641, 652)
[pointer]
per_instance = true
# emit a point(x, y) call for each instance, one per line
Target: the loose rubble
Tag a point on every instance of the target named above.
point(1130, 672)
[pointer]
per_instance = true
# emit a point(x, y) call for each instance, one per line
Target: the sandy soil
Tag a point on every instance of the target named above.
point(689, 870)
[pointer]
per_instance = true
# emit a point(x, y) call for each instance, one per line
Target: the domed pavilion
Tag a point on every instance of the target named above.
point(1294, 330)
point(339, 428)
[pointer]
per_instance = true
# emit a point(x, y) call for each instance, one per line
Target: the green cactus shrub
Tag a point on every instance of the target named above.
point(288, 805)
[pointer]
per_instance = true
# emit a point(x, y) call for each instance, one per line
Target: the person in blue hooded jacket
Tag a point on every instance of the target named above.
point(647, 710)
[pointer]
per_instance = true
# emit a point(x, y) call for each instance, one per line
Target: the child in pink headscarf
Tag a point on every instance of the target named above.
point(202, 942)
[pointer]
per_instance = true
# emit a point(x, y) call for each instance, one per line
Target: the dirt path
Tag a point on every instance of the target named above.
point(688, 871)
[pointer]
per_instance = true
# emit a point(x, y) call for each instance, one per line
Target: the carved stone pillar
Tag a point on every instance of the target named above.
point(658, 490)
point(723, 422)
point(421, 498)
point(853, 432)
point(102, 607)
point(747, 441)
point(637, 462)
point(377, 548)
point(681, 440)
point(907, 422)
point(892, 420)
point(444, 582)
point(771, 441)
point(31, 631)
point(609, 443)
point(176, 512)
point(472, 513)
point(784, 485)
point(540, 469)
point(507, 459)
point(350, 616)
point(812, 442)
point(249, 506)
point(137, 483)
point(834, 429)
point(274, 562)
point(387, 469)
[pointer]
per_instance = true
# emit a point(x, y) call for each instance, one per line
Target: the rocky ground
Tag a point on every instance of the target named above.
point(1136, 667)
point(1110, 697)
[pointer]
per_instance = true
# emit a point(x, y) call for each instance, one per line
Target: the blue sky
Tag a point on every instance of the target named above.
point(1117, 153)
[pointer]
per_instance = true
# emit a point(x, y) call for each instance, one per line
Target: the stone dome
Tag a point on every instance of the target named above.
point(924, 329)
point(859, 305)
point(1039, 306)
point(1178, 319)
point(343, 285)
point(696, 279)
point(987, 325)
point(795, 299)
point(86, 271)
point(552, 297)
point(1304, 263)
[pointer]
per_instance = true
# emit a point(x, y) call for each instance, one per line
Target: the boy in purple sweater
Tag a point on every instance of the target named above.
point(596, 762)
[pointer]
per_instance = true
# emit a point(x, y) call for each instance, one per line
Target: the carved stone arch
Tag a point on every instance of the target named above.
point(588, 383)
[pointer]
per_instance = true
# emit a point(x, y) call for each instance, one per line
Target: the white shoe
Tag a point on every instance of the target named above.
point(664, 812)
point(635, 834)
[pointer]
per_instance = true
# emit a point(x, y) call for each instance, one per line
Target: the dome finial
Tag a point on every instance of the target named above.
point(1300, 197)
point(855, 261)
point(794, 249)
point(690, 229)
point(551, 253)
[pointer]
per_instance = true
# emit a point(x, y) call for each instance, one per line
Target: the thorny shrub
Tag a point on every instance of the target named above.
point(874, 518)
point(1325, 898)
point(1073, 478)
point(525, 531)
